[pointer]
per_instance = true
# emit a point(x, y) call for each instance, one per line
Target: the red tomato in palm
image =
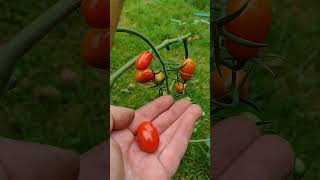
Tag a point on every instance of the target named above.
point(188, 69)
point(180, 87)
point(148, 137)
point(96, 13)
point(253, 24)
point(143, 60)
point(220, 87)
point(94, 48)
point(144, 76)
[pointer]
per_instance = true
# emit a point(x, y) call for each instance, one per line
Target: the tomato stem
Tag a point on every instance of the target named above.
point(23, 41)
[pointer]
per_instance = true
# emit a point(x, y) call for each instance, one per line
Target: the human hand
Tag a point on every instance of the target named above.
point(173, 120)
point(241, 152)
point(30, 161)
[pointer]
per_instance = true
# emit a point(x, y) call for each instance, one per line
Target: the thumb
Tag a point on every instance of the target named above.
point(120, 117)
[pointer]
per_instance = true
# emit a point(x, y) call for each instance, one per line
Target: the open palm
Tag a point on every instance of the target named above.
point(174, 121)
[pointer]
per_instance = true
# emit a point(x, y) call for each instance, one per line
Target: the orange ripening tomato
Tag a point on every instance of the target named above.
point(148, 137)
point(96, 13)
point(188, 69)
point(220, 87)
point(253, 24)
point(144, 76)
point(143, 60)
point(94, 48)
point(180, 87)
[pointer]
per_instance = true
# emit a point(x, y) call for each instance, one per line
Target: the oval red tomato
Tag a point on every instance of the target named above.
point(96, 13)
point(94, 48)
point(253, 24)
point(143, 60)
point(144, 76)
point(180, 87)
point(148, 137)
point(188, 69)
point(220, 87)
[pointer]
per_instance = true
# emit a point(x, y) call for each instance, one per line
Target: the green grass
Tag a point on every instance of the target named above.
point(70, 114)
point(291, 99)
point(153, 19)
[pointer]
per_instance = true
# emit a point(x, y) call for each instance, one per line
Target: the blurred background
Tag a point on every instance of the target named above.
point(291, 98)
point(58, 99)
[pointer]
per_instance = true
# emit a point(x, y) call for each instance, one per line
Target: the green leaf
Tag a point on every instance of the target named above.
point(241, 41)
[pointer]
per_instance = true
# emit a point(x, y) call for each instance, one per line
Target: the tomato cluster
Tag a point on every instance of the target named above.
point(148, 137)
point(145, 74)
point(95, 43)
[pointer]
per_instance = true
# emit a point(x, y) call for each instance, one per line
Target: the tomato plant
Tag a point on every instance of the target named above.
point(96, 13)
point(253, 24)
point(187, 69)
point(94, 48)
point(143, 60)
point(221, 86)
point(148, 137)
point(144, 76)
point(181, 87)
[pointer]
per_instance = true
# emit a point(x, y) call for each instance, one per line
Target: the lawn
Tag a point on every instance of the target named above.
point(291, 99)
point(58, 99)
point(160, 20)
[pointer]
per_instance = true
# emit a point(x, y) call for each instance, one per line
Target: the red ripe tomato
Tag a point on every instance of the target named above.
point(96, 13)
point(143, 60)
point(180, 86)
point(94, 48)
point(188, 69)
point(148, 137)
point(253, 24)
point(220, 87)
point(144, 76)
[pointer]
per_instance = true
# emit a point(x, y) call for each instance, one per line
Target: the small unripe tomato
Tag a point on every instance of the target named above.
point(220, 87)
point(94, 48)
point(148, 137)
point(159, 78)
point(96, 13)
point(144, 76)
point(143, 60)
point(180, 87)
point(188, 69)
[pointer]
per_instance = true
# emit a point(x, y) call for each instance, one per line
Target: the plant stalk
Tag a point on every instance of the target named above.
point(23, 41)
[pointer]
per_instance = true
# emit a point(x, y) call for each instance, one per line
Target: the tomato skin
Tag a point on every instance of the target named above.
point(220, 87)
point(144, 76)
point(253, 24)
point(148, 137)
point(180, 86)
point(96, 13)
point(159, 78)
point(188, 68)
point(94, 48)
point(143, 60)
